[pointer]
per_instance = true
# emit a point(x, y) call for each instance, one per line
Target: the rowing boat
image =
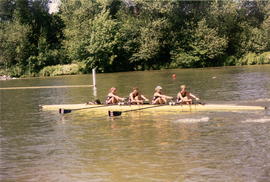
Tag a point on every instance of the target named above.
point(169, 108)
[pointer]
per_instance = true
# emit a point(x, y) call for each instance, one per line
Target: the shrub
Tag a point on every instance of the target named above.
point(68, 69)
point(15, 71)
point(264, 58)
point(248, 59)
point(180, 59)
point(230, 61)
point(253, 58)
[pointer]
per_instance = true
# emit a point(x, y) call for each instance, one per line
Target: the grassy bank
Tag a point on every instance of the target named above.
point(67, 69)
point(56, 70)
point(80, 68)
point(252, 59)
point(248, 59)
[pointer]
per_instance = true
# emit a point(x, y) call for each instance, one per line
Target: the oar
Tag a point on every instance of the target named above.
point(118, 113)
point(65, 111)
point(194, 102)
point(198, 102)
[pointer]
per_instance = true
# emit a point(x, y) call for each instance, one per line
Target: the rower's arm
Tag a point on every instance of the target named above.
point(166, 97)
point(163, 96)
point(193, 96)
point(144, 98)
point(131, 97)
point(117, 97)
point(179, 95)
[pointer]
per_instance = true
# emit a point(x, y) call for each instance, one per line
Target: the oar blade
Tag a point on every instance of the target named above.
point(64, 111)
point(114, 113)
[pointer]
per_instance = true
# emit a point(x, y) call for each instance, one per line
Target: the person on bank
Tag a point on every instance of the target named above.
point(159, 98)
point(112, 98)
point(185, 97)
point(136, 98)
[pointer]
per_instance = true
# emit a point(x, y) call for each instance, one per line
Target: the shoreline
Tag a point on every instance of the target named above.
point(3, 77)
point(7, 77)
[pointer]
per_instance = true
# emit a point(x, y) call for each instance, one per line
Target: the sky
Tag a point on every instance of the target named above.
point(54, 6)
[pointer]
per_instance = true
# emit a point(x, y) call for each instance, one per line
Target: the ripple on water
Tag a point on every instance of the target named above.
point(263, 100)
point(192, 120)
point(257, 120)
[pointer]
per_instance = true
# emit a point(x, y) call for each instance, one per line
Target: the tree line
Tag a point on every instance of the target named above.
point(126, 35)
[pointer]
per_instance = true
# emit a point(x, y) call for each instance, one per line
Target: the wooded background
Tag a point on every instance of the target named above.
point(126, 35)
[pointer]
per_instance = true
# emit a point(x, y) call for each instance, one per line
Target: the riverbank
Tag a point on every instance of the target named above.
point(6, 77)
point(80, 68)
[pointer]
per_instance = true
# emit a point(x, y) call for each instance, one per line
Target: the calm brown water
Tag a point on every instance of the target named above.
point(138, 147)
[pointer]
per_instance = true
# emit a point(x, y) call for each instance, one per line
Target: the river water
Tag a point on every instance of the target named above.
point(138, 147)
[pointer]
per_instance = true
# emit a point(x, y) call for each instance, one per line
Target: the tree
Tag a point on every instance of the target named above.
point(14, 43)
point(90, 37)
point(150, 31)
point(203, 47)
point(122, 35)
point(6, 9)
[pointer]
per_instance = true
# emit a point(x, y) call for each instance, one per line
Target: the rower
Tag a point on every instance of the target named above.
point(185, 97)
point(159, 98)
point(112, 98)
point(136, 98)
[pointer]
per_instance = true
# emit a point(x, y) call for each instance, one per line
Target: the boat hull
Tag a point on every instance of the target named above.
point(163, 108)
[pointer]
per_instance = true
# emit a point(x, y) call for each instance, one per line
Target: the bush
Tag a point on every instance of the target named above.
point(43, 59)
point(248, 59)
point(68, 69)
point(15, 71)
point(229, 61)
point(181, 59)
point(264, 58)
point(2, 71)
point(253, 58)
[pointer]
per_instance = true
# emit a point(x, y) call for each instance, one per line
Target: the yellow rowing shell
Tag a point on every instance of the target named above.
point(169, 108)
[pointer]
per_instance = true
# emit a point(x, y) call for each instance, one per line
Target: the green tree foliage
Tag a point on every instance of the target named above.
point(202, 49)
point(6, 9)
point(122, 35)
point(96, 43)
point(31, 36)
point(14, 44)
point(101, 43)
point(150, 40)
point(265, 26)
point(147, 33)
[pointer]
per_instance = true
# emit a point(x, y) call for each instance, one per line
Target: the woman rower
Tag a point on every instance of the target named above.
point(159, 98)
point(185, 97)
point(112, 98)
point(135, 97)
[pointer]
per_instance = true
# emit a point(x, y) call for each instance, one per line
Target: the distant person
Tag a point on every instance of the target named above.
point(112, 98)
point(185, 97)
point(159, 98)
point(136, 98)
